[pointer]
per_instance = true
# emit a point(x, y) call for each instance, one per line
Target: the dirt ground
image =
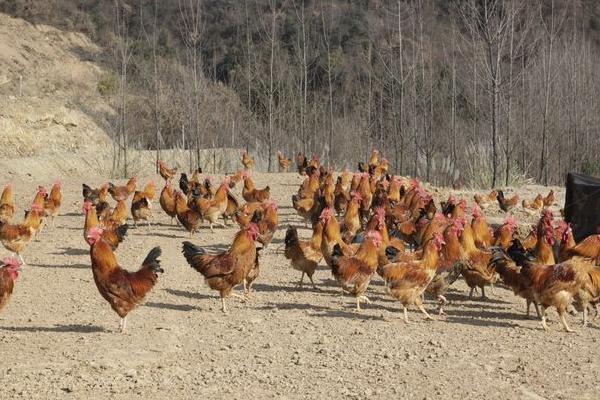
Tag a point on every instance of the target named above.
point(58, 337)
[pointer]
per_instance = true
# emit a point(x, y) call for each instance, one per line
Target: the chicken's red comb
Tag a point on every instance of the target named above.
point(11, 262)
point(476, 211)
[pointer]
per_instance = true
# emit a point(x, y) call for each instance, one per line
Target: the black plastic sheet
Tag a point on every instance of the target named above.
point(582, 204)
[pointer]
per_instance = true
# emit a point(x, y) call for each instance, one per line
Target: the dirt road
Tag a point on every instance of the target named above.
point(58, 337)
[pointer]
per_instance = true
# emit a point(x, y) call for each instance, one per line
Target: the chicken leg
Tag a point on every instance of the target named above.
point(122, 324)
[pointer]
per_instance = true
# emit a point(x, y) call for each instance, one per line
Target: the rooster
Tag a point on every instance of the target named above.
point(548, 201)
point(304, 255)
point(7, 205)
point(406, 281)
point(555, 285)
point(224, 271)
point(122, 289)
point(354, 273)
point(507, 204)
point(9, 272)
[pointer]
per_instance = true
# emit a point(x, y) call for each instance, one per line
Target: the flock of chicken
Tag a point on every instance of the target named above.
point(363, 224)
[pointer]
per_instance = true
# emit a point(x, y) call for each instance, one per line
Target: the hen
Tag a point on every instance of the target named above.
point(122, 193)
point(304, 255)
point(53, 202)
point(166, 172)
point(7, 205)
point(167, 200)
point(16, 237)
point(507, 204)
point(247, 161)
point(284, 163)
point(9, 272)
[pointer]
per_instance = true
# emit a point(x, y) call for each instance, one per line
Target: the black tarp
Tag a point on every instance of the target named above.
point(582, 204)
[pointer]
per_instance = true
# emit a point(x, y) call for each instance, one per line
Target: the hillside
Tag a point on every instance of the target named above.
point(51, 118)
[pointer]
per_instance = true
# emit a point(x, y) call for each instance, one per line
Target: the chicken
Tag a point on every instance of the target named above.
point(216, 207)
point(112, 233)
point(140, 208)
point(119, 214)
point(233, 206)
point(53, 202)
point(40, 197)
point(166, 172)
point(554, 285)
point(224, 271)
point(545, 240)
point(354, 273)
point(475, 264)
point(16, 237)
point(301, 163)
point(406, 281)
point(341, 197)
point(482, 234)
point(448, 268)
point(549, 199)
point(267, 223)
point(190, 219)
point(122, 289)
point(95, 195)
point(250, 193)
point(9, 272)
point(284, 163)
point(247, 161)
point(314, 162)
point(252, 273)
point(504, 234)
point(167, 200)
point(507, 204)
point(304, 255)
point(512, 277)
point(567, 243)
point(122, 193)
point(306, 207)
point(351, 222)
point(484, 201)
point(7, 205)
point(535, 204)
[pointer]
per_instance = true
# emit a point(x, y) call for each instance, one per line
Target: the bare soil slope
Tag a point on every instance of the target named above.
point(58, 336)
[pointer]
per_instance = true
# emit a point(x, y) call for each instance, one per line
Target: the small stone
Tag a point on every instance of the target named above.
point(131, 373)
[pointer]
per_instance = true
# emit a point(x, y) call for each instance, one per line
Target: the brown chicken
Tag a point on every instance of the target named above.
point(545, 240)
point(549, 199)
point(166, 172)
point(214, 209)
point(95, 195)
point(189, 218)
point(53, 201)
point(475, 266)
point(112, 233)
point(304, 255)
point(122, 289)
point(284, 163)
point(484, 201)
point(16, 237)
point(9, 272)
point(122, 193)
point(301, 163)
point(247, 161)
point(511, 275)
point(406, 281)
point(140, 208)
point(250, 193)
point(341, 197)
point(267, 223)
point(351, 222)
point(252, 273)
point(354, 273)
point(482, 233)
point(555, 285)
point(167, 200)
point(507, 204)
point(7, 205)
point(119, 214)
point(504, 234)
point(535, 204)
point(224, 271)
